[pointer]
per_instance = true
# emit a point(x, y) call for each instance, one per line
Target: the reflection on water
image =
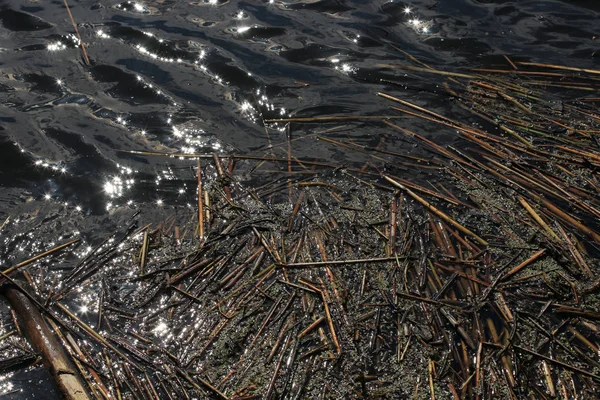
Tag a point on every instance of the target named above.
point(202, 77)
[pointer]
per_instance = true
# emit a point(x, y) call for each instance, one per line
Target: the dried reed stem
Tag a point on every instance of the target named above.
point(85, 55)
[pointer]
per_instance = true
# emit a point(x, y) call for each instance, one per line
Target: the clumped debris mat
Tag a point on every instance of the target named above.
point(332, 282)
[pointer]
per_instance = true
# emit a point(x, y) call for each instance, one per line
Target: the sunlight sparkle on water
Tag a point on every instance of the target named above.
point(116, 185)
point(56, 46)
point(177, 132)
point(6, 385)
point(420, 26)
point(101, 34)
point(246, 106)
point(345, 67)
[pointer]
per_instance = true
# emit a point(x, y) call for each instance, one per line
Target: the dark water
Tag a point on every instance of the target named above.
point(201, 77)
point(198, 77)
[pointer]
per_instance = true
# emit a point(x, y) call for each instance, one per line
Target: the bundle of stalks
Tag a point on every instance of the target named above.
point(530, 161)
point(338, 282)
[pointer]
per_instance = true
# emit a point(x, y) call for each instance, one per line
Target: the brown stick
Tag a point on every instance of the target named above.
point(85, 56)
point(537, 218)
point(43, 341)
point(525, 263)
point(5, 222)
point(207, 386)
point(331, 118)
point(560, 67)
point(339, 262)
point(200, 203)
point(512, 64)
point(568, 218)
point(8, 271)
point(435, 211)
point(311, 327)
point(97, 336)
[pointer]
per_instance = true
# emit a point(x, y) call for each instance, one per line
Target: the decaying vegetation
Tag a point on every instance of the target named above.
point(337, 282)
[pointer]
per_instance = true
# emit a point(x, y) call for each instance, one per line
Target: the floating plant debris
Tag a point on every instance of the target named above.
point(258, 246)
point(339, 282)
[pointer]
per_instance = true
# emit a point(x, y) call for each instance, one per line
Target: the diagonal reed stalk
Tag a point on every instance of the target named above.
point(85, 55)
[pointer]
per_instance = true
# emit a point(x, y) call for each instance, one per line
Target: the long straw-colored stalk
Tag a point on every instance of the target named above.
point(435, 211)
point(85, 55)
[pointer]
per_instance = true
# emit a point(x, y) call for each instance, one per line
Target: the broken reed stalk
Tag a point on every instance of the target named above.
point(85, 55)
point(289, 162)
point(525, 263)
point(316, 264)
point(144, 253)
point(98, 389)
point(332, 118)
point(563, 215)
point(512, 64)
point(537, 218)
point(561, 67)
point(311, 327)
point(232, 156)
point(435, 211)
point(43, 341)
point(96, 336)
point(4, 223)
point(22, 264)
point(200, 203)
point(426, 70)
point(207, 386)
